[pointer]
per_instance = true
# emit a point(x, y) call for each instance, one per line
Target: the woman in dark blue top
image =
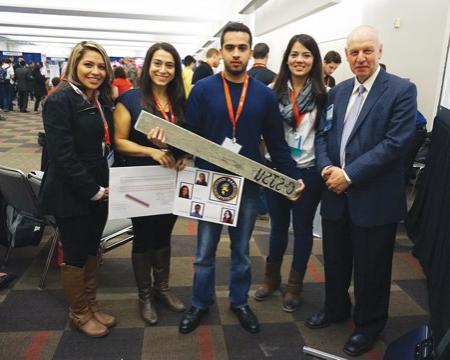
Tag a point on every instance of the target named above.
point(161, 93)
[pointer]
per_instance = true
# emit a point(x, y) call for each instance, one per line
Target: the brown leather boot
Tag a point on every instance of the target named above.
point(161, 270)
point(142, 265)
point(72, 279)
point(90, 279)
point(291, 299)
point(272, 281)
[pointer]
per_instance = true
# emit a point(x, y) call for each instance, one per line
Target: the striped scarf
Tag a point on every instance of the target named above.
point(305, 103)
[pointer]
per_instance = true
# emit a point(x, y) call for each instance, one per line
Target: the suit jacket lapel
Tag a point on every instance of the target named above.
point(378, 88)
point(341, 108)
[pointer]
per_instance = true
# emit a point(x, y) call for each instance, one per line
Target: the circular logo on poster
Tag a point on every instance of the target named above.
point(225, 188)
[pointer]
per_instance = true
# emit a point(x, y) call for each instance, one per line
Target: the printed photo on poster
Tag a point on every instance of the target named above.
point(227, 216)
point(201, 178)
point(197, 209)
point(185, 191)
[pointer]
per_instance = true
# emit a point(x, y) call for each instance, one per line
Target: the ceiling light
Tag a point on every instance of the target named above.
point(252, 6)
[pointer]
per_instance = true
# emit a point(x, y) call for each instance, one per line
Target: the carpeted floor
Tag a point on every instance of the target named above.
point(33, 323)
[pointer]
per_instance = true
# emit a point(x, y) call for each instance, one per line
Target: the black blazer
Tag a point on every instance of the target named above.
point(77, 168)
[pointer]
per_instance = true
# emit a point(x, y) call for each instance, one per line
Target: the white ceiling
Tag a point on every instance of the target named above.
point(118, 24)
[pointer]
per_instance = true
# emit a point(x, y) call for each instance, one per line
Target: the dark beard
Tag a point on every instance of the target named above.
point(233, 72)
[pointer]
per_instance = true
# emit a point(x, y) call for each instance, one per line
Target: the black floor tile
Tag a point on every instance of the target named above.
point(33, 310)
point(417, 290)
point(116, 273)
point(119, 344)
point(275, 341)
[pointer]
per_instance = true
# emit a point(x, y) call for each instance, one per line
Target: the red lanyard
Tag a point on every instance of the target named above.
point(106, 138)
point(161, 110)
point(298, 116)
point(258, 66)
point(234, 118)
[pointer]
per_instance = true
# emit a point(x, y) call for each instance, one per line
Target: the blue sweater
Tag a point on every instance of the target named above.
point(207, 115)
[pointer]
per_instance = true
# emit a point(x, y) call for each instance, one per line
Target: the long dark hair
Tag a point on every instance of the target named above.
point(175, 89)
point(318, 88)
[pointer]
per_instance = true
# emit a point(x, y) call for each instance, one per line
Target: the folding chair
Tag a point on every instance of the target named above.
point(114, 228)
point(18, 193)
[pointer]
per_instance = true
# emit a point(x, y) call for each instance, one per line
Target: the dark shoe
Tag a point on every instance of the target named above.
point(358, 344)
point(6, 279)
point(247, 318)
point(318, 321)
point(321, 320)
point(191, 319)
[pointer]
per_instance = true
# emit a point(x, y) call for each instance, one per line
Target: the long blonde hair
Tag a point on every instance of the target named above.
point(77, 53)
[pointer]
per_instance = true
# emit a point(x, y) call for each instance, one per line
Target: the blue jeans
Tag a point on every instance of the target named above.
point(7, 96)
point(303, 211)
point(208, 236)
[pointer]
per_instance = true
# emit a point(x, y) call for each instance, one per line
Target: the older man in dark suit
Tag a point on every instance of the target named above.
point(360, 149)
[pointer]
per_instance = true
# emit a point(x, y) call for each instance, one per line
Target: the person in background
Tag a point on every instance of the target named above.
point(331, 62)
point(188, 73)
point(77, 122)
point(30, 80)
point(7, 85)
point(259, 70)
point(205, 68)
point(161, 92)
point(40, 86)
point(120, 83)
point(301, 97)
point(22, 73)
point(361, 143)
point(55, 82)
point(131, 70)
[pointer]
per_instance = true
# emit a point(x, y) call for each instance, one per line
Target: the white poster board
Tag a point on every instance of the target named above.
point(193, 193)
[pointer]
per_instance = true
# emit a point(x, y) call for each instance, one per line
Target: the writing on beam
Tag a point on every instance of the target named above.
point(217, 154)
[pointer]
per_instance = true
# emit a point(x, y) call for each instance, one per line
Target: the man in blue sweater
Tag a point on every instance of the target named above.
point(234, 110)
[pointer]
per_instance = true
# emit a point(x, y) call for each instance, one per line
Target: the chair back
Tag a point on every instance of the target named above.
point(17, 191)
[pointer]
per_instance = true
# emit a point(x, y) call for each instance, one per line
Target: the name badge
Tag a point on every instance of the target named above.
point(329, 118)
point(232, 146)
point(110, 158)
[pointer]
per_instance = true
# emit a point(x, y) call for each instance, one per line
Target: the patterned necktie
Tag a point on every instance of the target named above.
point(349, 122)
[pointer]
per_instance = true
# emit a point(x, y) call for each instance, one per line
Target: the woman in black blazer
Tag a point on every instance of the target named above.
point(77, 122)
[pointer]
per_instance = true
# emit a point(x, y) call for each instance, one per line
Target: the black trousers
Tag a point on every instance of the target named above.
point(368, 251)
point(80, 235)
point(22, 100)
point(152, 232)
